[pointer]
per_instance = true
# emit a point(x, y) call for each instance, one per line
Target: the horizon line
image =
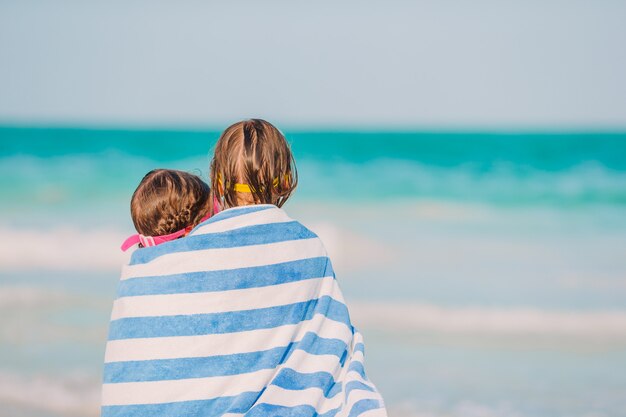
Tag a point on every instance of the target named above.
point(321, 128)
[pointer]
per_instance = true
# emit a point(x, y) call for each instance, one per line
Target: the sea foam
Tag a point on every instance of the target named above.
point(63, 248)
point(398, 317)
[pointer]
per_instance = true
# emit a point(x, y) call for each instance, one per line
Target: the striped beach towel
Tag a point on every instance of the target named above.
point(243, 317)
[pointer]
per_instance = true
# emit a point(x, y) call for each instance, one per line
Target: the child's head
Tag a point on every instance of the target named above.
point(167, 201)
point(253, 164)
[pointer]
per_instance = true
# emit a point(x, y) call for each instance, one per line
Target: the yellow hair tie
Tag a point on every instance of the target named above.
point(245, 188)
point(242, 188)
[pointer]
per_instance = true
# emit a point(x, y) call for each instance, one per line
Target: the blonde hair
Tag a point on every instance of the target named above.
point(253, 152)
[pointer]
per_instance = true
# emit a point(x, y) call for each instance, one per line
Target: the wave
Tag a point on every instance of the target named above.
point(69, 248)
point(404, 317)
point(504, 184)
point(64, 248)
point(71, 182)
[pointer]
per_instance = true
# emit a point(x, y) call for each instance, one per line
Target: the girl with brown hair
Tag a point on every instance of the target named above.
point(253, 164)
point(167, 205)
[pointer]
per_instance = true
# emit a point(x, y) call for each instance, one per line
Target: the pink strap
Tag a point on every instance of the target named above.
point(151, 240)
point(131, 241)
point(157, 240)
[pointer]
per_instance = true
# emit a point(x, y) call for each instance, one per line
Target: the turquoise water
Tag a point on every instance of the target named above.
point(562, 169)
point(487, 271)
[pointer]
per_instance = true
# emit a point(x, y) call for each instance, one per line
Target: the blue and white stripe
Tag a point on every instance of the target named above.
point(241, 318)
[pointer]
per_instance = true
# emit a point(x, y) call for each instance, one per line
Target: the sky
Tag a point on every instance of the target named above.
point(355, 64)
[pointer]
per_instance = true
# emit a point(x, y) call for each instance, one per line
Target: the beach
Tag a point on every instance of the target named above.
point(486, 271)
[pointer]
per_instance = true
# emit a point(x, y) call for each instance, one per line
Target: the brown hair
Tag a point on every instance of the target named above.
point(167, 201)
point(256, 153)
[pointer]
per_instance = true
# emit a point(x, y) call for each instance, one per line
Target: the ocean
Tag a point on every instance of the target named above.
point(486, 271)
